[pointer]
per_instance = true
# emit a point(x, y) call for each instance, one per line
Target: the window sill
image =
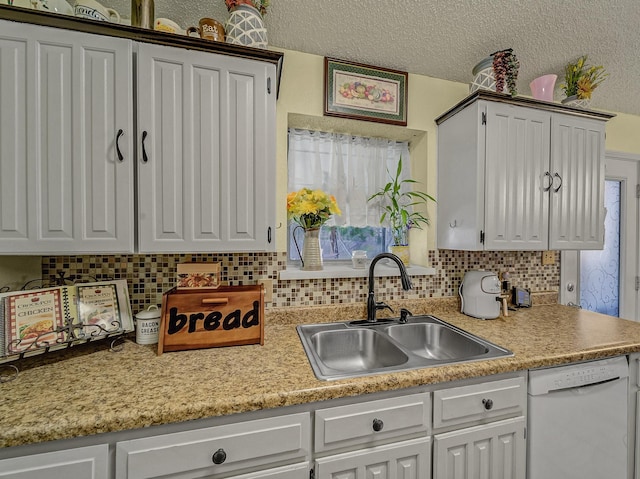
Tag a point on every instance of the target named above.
point(343, 270)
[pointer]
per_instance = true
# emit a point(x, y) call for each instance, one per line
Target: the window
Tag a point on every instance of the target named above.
point(352, 169)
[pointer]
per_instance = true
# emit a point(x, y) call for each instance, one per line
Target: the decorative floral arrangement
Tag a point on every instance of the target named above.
point(311, 208)
point(260, 5)
point(398, 204)
point(505, 69)
point(581, 79)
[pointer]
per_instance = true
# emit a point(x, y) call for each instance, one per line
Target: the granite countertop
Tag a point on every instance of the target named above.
point(135, 388)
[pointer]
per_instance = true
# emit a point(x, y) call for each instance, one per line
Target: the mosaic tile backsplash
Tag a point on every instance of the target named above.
point(149, 276)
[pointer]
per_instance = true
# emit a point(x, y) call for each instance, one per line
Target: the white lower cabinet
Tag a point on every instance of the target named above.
point(470, 429)
point(91, 462)
point(375, 439)
point(480, 430)
point(633, 431)
point(372, 422)
point(251, 448)
point(466, 405)
point(493, 451)
point(400, 460)
point(295, 471)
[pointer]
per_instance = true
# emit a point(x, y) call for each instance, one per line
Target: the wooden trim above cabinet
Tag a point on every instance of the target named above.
point(522, 101)
point(55, 20)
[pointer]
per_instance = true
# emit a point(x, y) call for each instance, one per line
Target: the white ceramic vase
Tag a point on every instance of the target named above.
point(576, 102)
point(311, 251)
point(245, 26)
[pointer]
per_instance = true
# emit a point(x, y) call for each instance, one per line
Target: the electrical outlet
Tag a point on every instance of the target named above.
point(548, 257)
point(268, 289)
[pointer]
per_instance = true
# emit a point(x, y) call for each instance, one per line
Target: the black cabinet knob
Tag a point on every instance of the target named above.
point(377, 425)
point(488, 404)
point(219, 456)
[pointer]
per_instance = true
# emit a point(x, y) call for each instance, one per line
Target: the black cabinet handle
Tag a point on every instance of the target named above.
point(556, 175)
point(377, 425)
point(145, 158)
point(120, 133)
point(219, 456)
point(488, 404)
point(548, 175)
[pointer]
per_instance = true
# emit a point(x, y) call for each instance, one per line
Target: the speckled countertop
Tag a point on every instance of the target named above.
point(135, 388)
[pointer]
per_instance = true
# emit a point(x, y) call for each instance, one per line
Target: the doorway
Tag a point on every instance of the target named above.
point(606, 281)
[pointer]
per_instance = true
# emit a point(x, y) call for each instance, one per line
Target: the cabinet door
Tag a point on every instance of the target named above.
point(16, 77)
point(517, 161)
point(218, 451)
point(493, 451)
point(577, 193)
point(352, 425)
point(82, 463)
point(636, 454)
point(64, 187)
point(296, 471)
point(465, 405)
point(206, 157)
point(461, 165)
point(400, 460)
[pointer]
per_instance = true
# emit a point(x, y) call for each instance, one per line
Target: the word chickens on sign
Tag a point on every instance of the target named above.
point(207, 318)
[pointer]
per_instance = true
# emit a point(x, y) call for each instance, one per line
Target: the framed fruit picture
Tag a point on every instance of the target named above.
point(365, 92)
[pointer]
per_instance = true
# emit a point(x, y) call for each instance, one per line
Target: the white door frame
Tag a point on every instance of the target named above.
point(618, 166)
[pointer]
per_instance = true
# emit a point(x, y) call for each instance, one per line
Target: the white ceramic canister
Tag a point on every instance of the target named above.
point(148, 325)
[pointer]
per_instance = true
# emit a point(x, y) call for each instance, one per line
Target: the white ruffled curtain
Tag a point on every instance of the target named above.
point(348, 167)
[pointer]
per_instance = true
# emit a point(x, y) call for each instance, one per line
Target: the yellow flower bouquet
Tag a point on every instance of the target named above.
point(581, 79)
point(311, 208)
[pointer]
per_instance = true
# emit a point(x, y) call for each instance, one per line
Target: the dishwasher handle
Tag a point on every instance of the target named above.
point(583, 386)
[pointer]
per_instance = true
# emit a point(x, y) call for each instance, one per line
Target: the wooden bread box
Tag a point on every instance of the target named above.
point(207, 318)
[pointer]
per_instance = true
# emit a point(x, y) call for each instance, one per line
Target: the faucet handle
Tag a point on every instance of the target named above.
point(383, 305)
point(403, 315)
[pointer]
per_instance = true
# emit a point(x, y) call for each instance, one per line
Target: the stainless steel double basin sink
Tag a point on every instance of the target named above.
point(359, 348)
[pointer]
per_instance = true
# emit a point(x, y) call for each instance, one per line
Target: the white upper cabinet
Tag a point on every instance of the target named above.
point(577, 192)
point(513, 175)
point(206, 152)
point(517, 155)
point(204, 148)
point(66, 135)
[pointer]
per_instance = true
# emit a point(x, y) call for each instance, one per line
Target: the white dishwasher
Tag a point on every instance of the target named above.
point(577, 421)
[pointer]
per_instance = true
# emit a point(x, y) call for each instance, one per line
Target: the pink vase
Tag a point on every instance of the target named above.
point(542, 87)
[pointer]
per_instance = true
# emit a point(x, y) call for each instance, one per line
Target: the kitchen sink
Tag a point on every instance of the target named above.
point(357, 348)
point(436, 341)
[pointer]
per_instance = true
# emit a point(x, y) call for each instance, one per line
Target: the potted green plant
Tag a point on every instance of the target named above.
point(398, 202)
point(580, 79)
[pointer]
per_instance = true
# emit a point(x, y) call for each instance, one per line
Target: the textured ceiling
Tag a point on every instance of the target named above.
point(446, 38)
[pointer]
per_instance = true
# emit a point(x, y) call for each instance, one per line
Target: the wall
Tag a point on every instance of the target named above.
point(301, 93)
point(622, 133)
